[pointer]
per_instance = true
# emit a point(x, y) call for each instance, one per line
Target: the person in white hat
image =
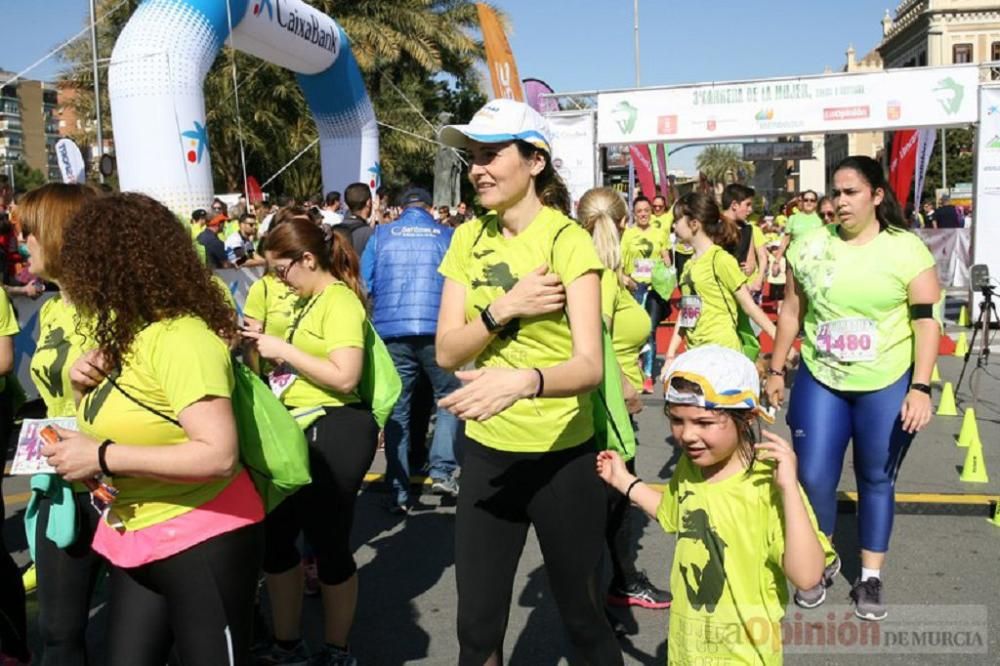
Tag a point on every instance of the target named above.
point(744, 527)
point(522, 300)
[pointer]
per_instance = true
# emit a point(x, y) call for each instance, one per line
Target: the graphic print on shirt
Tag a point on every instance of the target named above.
point(645, 247)
point(51, 376)
point(705, 585)
point(94, 401)
point(499, 275)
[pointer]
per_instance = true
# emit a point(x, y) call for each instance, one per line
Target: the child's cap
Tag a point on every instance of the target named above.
point(727, 378)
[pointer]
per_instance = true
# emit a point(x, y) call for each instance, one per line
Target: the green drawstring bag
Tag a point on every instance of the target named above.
point(664, 279)
point(612, 422)
point(380, 384)
point(272, 445)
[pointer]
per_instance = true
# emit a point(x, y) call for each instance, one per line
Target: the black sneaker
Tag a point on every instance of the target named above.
point(869, 601)
point(397, 508)
point(815, 596)
point(639, 592)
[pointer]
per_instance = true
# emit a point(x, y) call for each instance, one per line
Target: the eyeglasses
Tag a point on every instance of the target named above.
point(281, 271)
point(809, 199)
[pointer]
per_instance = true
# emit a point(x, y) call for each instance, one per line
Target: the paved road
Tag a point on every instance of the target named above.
point(942, 575)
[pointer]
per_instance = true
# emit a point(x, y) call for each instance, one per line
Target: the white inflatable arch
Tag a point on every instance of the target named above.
point(155, 83)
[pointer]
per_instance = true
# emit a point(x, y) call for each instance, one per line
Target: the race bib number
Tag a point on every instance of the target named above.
point(848, 340)
point(280, 379)
point(643, 269)
point(690, 311)
point(28, 458)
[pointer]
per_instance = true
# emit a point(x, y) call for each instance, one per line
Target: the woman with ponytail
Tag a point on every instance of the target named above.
point(317, 366)
point(522, 301)
point(712, 285)
point(600, 210)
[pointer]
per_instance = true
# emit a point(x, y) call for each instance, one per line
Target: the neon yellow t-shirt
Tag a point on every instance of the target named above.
point(640, 249)
point(487, 263)
point(714, 277)
point(757, 240)
point(730, 590)
point(271, 302)
point(61, 341)
point(629, 325)
point(172, 364)
point(330, 320)
point(665, 223)
point(862, 283)
point(801, 224)
point(781, 220)
point(8, 324)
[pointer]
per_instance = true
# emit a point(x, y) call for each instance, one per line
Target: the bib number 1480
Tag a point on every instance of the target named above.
point(848, 340)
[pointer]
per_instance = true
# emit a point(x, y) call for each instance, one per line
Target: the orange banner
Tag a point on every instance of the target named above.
point(499, 57)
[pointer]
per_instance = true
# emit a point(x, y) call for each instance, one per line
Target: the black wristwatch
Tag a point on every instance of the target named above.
point(924, 388)
point(491, 324)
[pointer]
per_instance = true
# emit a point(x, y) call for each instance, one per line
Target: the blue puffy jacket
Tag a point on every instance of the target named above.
point(400, 269)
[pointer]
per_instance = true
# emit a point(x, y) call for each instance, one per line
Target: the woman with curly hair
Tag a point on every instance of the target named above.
point(316, 368)
point(153, 407)
point(67, 566)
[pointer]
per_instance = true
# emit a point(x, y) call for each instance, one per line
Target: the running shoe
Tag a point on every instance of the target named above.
point(311, 572)
point(397, 508)
point(869, 599)
point(275, 655)
point(815, 596)
point(333, 656)
point(639, 592)
point(446, 486)
point(647, 385)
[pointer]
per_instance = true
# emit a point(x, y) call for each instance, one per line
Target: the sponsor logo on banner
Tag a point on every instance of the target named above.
point(307, 28)
point(666, 125)
point(624, 115)
point(765, 114)
point(846, 112)
point(710, 125)
point(893, 110)
point(197, 142)
point(994, 143)
point(993, 110)
point(376, 176)
point(949, 95)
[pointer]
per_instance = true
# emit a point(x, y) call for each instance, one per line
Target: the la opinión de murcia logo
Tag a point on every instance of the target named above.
point(307, 28)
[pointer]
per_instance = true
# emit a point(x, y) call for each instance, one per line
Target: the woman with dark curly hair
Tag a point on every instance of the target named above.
point(153, 406)
point(316, 368)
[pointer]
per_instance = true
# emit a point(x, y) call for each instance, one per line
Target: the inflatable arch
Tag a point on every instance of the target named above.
point(155, 80)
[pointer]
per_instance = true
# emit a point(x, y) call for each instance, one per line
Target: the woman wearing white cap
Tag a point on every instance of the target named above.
point(522, 300)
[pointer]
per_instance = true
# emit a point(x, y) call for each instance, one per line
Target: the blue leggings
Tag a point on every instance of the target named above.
point(822, 421)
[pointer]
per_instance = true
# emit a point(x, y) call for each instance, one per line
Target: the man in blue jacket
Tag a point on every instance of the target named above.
point(399, 267)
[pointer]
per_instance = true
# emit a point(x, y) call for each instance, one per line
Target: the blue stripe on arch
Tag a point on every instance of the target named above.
point(214, 12)
point(337, 89)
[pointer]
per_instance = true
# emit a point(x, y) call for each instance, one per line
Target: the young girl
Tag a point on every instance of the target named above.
point(743, 525)
point(713, 288)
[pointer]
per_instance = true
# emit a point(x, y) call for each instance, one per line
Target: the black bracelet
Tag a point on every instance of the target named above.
point(491, 324)
point(775, 373)
point(628, 491)
point(102, 451)
point(541, 382)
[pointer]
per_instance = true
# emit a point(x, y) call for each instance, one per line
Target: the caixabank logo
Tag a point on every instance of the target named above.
point(296, 21)
point(197, 141)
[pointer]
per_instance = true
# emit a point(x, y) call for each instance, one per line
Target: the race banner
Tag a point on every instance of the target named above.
point(987, 185)
point(533, 91)
point(643, 163)
point(902, 162)
point(824, 104)
point(573, 154)
point(499, 57)
point(925, 148)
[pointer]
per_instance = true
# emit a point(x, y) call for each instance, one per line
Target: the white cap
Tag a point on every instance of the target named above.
point(727, 379)
point(499, 121)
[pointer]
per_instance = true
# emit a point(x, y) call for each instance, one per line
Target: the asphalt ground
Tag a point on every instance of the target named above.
point(941, 577)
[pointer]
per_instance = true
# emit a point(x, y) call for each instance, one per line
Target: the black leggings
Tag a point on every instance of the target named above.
point(13, 617)
point(200, 601)
point(66, 579)
point(503, 493)
point(341, 449)
point(620, 534)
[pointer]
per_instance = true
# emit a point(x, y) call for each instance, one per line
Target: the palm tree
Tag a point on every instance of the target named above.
point(722, 165)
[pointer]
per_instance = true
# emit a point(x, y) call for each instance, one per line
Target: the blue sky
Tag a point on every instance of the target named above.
point(588, 44)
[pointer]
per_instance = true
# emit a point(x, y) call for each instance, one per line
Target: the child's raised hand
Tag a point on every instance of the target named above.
point(610, 467)
point(781, 452)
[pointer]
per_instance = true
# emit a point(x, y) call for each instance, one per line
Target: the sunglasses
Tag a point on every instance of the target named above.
point(809, 200)
point(829, 215)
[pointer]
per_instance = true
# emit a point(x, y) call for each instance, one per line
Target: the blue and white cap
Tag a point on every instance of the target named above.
point(499, 121)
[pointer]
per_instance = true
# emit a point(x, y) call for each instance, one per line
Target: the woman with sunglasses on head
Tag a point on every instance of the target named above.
point(183, 536)
point(316, 368)
point(522, 301)
point(864, 290)
point(66, 565)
